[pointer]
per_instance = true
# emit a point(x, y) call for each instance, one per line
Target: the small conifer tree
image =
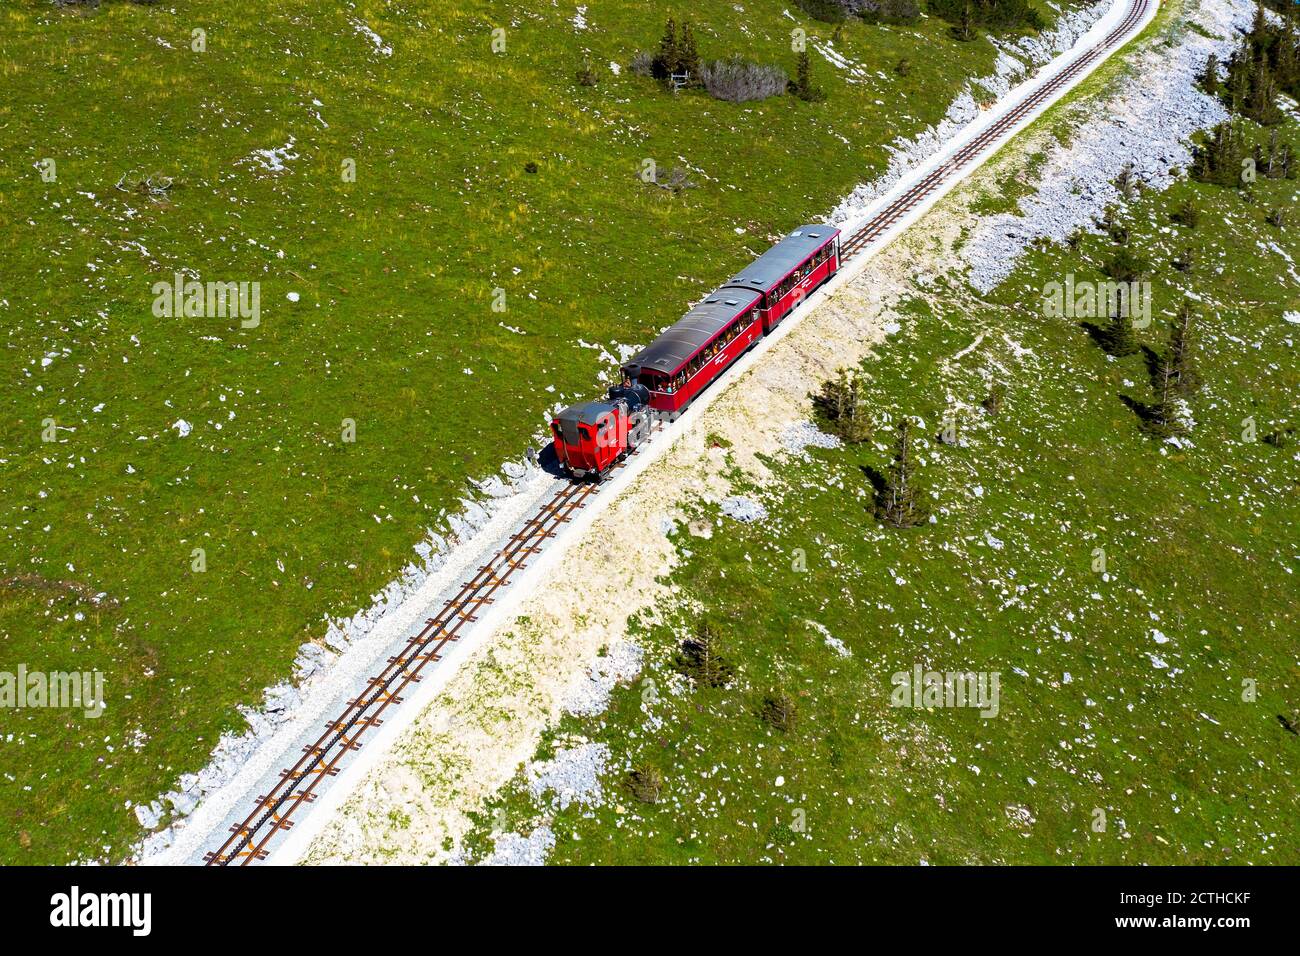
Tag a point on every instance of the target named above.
point(1186, 380)
point(841, 406)
point(803, 84)
point(899, 503)
point(1117, 336)
point(668, 60)
point(701, 659)
point(688, 56)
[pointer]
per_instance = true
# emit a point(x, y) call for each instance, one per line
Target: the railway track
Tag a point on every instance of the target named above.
point(273, 814)
point(887, 217)
point(249, 840)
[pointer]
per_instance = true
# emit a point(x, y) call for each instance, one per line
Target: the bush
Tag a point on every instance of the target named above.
point(739, 81)
point(890, 11)
point(642, 63)
point(841, 408)
point(700, 659)
point(827, 11)
point(778, 710)
point(1127, 266)
point(873, 11)
point(646, 783)
point(586, 74)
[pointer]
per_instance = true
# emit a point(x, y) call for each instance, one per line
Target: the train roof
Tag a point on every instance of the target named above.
point(693, 331)
point(587, 413)
point(775, 264)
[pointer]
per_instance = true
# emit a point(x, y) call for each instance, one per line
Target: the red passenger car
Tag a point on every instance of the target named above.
point(674, 369)
point(680, 363)
point(788, 272)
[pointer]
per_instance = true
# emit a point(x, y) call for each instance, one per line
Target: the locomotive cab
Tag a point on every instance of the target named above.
point(591, 437)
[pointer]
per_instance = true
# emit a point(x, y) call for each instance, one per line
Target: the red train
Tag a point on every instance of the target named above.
point(669, 373)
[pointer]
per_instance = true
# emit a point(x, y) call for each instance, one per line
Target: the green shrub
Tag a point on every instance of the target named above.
point(779, 711)
point(645, 783)
point(701, 660)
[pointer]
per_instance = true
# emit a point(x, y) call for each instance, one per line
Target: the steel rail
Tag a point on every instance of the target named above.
point(273, 812)
point(896, 210)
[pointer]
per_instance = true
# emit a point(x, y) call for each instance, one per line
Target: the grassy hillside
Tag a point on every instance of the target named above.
point(474, 171)
point(1144, 704)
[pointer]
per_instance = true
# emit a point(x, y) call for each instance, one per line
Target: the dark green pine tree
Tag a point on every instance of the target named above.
point(803, 84)
point(1166, 418)
point(1219, 159)
point(688, 56)
point(1263, 98)
point(1179, 357)
point(1175, 377)
point(899, 503)
point(1288, 58)
point(1210, 81)
point(1117, 336)
point(1187, 214)
point(701, 659)
point(1240, 78)
point(841, 405)
point(1258, 39)
point(965, 29)
point(668, 59)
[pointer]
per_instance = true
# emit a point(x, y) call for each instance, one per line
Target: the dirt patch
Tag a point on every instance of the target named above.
point(72, 589)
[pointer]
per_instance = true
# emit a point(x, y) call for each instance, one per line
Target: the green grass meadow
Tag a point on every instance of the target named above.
point(376, 300)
